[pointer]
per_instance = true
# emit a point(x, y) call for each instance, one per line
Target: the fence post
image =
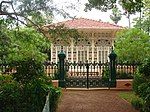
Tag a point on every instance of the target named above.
point(61, 68)
point(87, 68)
point(112, 79)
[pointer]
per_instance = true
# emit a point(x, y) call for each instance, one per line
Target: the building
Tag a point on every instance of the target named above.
point(96, 46)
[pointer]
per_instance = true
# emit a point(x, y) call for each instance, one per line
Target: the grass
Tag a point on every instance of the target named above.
point(128, 96)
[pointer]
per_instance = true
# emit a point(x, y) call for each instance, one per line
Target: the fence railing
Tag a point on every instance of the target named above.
point(126, 70)
point(79, 69)
point(51, 69)
point(7, 69)
point(76, 69)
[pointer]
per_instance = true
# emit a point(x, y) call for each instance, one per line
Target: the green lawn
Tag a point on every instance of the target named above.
point(128, 96)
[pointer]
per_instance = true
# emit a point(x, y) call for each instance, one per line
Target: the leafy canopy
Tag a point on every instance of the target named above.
point(116, 15)
point(22, 44)
point(132, 45)
point(131, 6)
point(143, 22)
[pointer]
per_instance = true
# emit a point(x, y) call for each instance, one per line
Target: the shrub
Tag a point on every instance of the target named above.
point(10, 94)
point(146, 105)
point(137, 103)
point(54, 98)
point(15, 97)
point(145, 69)
point(141, 85)
point(26, 90)
point(105, 74)
point(138, 80)
point(123, 75)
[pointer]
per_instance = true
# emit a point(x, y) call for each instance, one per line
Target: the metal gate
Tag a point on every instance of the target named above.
point(87, 75)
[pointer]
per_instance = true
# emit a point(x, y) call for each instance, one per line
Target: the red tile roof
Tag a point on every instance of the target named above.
point(89, 23)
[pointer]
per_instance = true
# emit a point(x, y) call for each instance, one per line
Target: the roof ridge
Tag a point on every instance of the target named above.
point(87, 23)
point(91, 20)
point(102, 22)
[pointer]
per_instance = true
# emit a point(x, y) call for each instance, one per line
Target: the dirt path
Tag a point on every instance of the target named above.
point(93, 101)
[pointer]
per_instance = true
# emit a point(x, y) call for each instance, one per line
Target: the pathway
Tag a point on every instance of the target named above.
point(93, 101)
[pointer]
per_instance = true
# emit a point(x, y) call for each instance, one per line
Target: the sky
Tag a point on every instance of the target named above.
point(79, 12)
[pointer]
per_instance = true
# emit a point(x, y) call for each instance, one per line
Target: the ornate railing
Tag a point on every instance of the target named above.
point(51, 69)
point(77, 69)
point(126, 70)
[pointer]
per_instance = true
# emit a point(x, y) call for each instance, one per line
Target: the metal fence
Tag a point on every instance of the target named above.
point(51, 69)
point(76, 69)
point(126, 70)
point(79, 69)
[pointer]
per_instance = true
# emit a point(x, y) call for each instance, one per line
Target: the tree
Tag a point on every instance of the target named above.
point(132, 45)
point(39, 11)
point(26, 89)
point(35, 13)
point(143, 22)
point(116, 15)
point(20, 45)
point(128, 5)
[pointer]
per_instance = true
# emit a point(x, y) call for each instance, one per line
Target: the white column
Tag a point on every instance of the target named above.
point(97, 54)
point(66, 52)
point(112, 43)
point(109, 48)
point(92, 50)
point(87, 53)
point(77, 53)
point(72, 50)
point(56, 54)
point(104, 54)
point(101, 54)
point(51, 52)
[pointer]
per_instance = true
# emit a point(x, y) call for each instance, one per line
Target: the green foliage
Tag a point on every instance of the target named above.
point(116, 15)
point(146, 105)
point(33, 12)
point(25, 90)
point(124, 75)
point(143, 22)
point(137, 103)
point(15, 97)
point(102, 5)
point(9, 94)
point(39, 11)
point(141, 85)
point(131, 6)
point(23, 44)
point(145, 69)
point(138, 80)
point(128, 96)
point(62, 33)
point(132, 45)
point(106, 74)
point(54, 98)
